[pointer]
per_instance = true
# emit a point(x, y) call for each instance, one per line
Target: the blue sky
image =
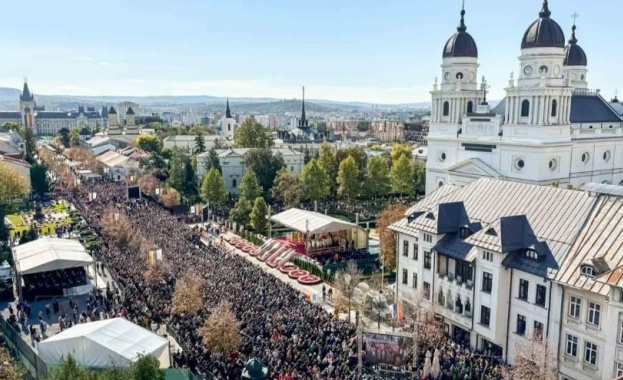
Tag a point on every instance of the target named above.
point(382, 51)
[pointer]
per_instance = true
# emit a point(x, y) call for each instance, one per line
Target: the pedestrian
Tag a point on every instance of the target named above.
point(330, 292)
point(324, 293)
point(47, 311)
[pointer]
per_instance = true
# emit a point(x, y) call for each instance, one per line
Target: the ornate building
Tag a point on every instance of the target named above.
point(549, 129)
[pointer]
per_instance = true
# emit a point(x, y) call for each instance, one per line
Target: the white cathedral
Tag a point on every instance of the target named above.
point(549, 129)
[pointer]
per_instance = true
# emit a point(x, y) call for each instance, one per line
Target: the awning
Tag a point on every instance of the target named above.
point(49, 254)
point(316, 223)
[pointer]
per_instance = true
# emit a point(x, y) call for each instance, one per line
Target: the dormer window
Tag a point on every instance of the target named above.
point(532, 254)
point(464, 232)
point(588, 271)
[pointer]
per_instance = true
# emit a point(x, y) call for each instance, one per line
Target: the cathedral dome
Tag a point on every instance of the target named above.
point(544, 32)
point(574, 54)
point(461, 43)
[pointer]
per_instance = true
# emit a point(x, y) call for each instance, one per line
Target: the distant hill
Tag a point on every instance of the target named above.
point(9, 94)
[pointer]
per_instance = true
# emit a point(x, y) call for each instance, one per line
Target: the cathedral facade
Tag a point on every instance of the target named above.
point(549, 129)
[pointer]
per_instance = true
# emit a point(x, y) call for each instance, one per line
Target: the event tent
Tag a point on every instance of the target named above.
point(308, 221)
point(48, 254)
point(101, 344)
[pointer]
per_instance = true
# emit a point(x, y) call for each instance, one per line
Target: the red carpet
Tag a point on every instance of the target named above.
point(299, 248)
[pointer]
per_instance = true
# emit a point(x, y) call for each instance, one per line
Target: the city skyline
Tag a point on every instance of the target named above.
point(385, 53)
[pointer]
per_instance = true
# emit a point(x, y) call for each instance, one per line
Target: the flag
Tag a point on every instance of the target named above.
point(152, 257)
point(159, 254)
point(199, 208)
point(192, 209)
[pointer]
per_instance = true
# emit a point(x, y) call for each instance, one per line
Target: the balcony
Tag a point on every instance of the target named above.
point(454, 298)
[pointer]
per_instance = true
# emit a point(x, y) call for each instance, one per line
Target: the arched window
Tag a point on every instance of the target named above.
point(446, 108)
point(229, 127)
point(233, 182)
point(525, 108)
point(470, 107)
point(554, 107)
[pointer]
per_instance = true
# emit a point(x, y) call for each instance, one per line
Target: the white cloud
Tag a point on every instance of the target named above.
point(84, 59)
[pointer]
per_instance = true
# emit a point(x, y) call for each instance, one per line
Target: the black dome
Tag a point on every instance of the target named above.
point(574, 54)
point(461, 43)
point(544, 32)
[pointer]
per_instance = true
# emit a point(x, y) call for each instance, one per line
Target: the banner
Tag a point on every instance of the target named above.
point(152, 257)
point(387, 349)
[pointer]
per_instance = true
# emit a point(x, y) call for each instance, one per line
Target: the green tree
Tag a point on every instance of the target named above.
point(30, 145)
point(288, 188)
point(211, 160)
point(213, 188)
point(265, 165)
point(241, 213)
point(218, 144)
point(249, 187)
point(12, 126)
point(399, 150)
point(328, 163)
point(181, 173)
point(401, 176)
point(149, 143)
point(39, 179)
point(74, 137)
point(377, 177)
point(64, 135)
point(13, 186)
point(419, 176)
point(348, 179)
point(200, 145)
point(147, 367)
point(315, 181)
point(259, 215)
point(252, 134)
point(69, 369)
point(358, 154)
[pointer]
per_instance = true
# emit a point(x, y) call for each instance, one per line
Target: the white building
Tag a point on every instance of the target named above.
point(548, 129)
point(233, 167)
point(228, 125)
point(189, 141)
point(500, 260)
point(124, 107)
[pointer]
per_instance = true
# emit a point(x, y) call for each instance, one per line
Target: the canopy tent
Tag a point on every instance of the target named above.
point(48, 254)
point(308, 221)
point(104, 343)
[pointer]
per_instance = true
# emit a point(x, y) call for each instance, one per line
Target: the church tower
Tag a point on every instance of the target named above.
point(575, 62)
point(228, 124)
point(303, 122)
point(27, 107)
point(113, 122)
point(458, 93)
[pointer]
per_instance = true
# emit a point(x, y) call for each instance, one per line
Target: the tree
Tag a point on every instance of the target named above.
point(389, 216)
point(13, 186)
point(377, 177)
point(346, 281)
point(316, 183)
point(9, 369)
point(401, 176)
point(74, 137)
point(117, 225)
point(69, 369)
point(241, 213)
point(181, 173)
point(259, 215)
point(265, 165)
point(12, 126)
point(220, 332)
point(358, 154)
point(399, 150)
point(39, 179)
point(146, 367)
point(63, 133)
point(218, 144)
point(328, 163)
point(213, 188)
point(200, 145)
point(288, 188)
point(149, 143)
point(211, 160)
point(419, 176)
point(30, 145)
point(533, 360)
point(170, 197)
point(187, 298)
point(348, 179)
point(252, 134)
point(249, 187)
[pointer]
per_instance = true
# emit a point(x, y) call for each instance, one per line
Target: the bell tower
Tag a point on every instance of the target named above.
point(27, 106)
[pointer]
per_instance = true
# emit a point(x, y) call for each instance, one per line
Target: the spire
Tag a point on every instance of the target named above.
point(303, 118)
point(228, 111)
point(26, 95)
point(573, 40)
point(462, 27)
point(545, 13)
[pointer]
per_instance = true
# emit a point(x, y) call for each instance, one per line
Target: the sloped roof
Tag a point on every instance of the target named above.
point(315, 223)
point(48, 254)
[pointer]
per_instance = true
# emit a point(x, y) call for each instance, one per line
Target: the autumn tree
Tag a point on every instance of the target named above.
point(169, 197)
point(328, 163)
point(399, 150)
point(117, 225)
point(401, 176)
point(346, 281)
point(533, 360)
point(249, 186)
point(221, 333)
point(252, 134)
point(348, 179)
point(187, 298)
point(213, 188)
point(265, 164)
point(156, 274)
point(148, 143)
point(241, 213)
point(389, 216)
point(9, 369)
point(377, 177)
point(148, 184)
point(259, 215)
point(316, 183)
point(13, 186)
point(288, 188)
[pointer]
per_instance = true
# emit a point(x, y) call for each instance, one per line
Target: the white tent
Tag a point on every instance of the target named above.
point(104, 343)
point(316, 223)
point(48, 254)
